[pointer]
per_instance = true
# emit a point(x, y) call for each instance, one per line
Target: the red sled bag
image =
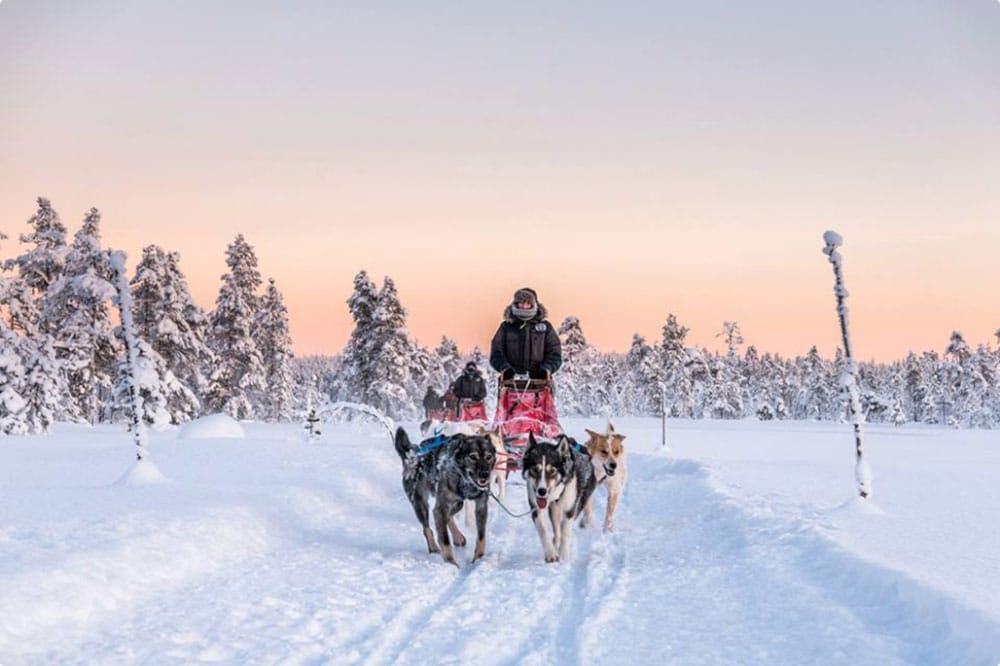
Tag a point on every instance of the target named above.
point(524, 406)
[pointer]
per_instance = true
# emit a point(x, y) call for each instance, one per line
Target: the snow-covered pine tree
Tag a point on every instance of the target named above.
point(18, 305)
point(381, 366)
point(640, 391)
point(728, 375)
point(314, 379)
point(447, 364)
point(238, 379)
point(395, 390)
point(699, 370)
point(773, 388)
point(816, 396)
point(477, 356)
point(750, 380)
point(76, 310)
point(357, 360)
point(971, 382)
point(275, 343)
point(723, 397)
point(168, 318)
point(733, 338)
point(673, 358)
point(20, 298)
point(575, 380)
point(12, 406)
point(43, 263)
point(43, 387)
point(916, 391)
point(164, 400)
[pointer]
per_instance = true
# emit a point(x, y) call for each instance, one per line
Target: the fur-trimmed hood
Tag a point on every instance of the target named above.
point(508, 315)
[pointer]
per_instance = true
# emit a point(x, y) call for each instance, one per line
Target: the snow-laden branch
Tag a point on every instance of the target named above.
point(328, 411)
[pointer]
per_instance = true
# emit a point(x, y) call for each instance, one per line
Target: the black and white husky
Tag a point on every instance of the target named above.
point(560, 480)
point(453, 469)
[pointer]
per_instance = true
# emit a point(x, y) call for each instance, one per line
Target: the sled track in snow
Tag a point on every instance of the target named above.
point(414, 616)
point(593, 583)
point(755, 555)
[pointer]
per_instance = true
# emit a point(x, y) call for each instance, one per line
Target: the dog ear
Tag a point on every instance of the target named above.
point(611, 427)
point(593, 435)
point(401, 442)
point(531, 440)
point(564, 444)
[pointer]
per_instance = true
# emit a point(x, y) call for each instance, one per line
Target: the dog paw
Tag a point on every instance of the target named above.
point(459, 541)
point(551, 557)
point(447, 556)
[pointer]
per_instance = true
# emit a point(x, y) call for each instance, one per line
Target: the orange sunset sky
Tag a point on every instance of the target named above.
point(626, 160)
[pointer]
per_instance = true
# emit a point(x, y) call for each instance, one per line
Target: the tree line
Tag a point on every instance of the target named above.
point(61, 356)
point(383, 367)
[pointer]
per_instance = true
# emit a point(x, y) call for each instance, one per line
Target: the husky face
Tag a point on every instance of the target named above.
point(473, 459)
point(547, 468)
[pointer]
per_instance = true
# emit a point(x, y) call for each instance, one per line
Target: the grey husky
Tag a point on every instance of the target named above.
point(452, 469)
point(560, 480)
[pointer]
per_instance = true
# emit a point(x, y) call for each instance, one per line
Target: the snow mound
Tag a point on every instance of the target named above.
point(213, 426)
point(142, 473)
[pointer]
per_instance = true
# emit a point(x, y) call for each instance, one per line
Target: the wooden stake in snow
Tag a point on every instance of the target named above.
point(849, 379)
point(124, 303)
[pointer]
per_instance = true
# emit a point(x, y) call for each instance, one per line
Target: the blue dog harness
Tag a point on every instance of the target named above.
point(433, 444)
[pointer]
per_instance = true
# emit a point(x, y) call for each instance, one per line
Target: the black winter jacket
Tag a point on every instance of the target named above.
point(531, 346)
point(469, 388)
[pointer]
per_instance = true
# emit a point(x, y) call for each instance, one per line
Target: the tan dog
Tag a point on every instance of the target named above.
point(607, 453)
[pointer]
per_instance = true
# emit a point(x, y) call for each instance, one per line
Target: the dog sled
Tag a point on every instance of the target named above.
point(525, 406)
point(460, 410)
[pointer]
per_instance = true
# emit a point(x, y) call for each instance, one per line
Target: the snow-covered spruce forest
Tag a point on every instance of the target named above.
point(61, 356)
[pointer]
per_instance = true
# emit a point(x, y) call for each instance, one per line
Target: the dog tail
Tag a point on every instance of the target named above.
point(402, 443)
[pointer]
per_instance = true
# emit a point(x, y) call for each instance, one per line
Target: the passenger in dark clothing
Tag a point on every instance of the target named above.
point(526, 342)
point(432, 401)
point(470, 385)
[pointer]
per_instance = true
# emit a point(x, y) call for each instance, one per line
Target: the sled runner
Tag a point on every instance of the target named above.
point(524, 406)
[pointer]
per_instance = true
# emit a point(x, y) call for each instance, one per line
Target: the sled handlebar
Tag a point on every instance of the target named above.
point(524, 384)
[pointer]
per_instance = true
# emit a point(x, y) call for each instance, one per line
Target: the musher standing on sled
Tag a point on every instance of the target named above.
point(525, 342)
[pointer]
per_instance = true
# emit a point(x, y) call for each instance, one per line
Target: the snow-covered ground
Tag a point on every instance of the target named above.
point(742, 544)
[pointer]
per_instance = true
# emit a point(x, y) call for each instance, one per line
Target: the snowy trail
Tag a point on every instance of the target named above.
point(321, 564)
point(767, 589)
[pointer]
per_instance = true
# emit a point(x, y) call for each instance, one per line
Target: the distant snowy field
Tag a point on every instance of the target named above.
point(741, 544)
